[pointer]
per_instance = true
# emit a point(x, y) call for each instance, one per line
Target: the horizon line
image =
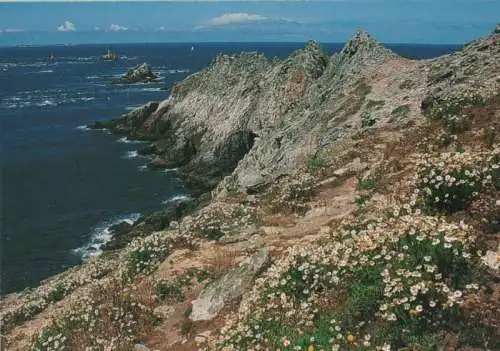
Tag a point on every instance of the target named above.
point(220, 42)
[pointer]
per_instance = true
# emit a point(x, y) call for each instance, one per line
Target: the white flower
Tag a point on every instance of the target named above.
point(386, 347)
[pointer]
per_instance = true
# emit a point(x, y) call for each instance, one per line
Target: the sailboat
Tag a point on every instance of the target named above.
point(110, 56)
point(52, 57)
point(192, 48)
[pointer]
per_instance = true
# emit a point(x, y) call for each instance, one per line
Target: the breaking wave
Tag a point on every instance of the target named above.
point(176, 198)
point(101, 234)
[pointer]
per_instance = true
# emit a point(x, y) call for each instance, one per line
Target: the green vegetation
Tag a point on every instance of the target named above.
point(138, 261)
point(171, 290)
point(452, 190)
point(407, 84)
point(441, 108)
point(451, 110)
point(361, 200)
point(401, 112)
point(368, 183)
point(56, 294)
point(375, 104)
point(315, 161)
point(292, 196)
point(212, 233)
point(403, 280)
point(144, 255)
point(186, 327)
point(90, 320)
point(370, 310)
point(367, 120)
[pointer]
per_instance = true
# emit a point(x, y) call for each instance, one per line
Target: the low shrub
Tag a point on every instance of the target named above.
point(315, 161)
point(291, 195)
point(143, 254)
point(375, 104)
point(212, 233)
point(368, 183)
point(451, 189)
point(401, 111)
point(451, 110)
point(367, 120)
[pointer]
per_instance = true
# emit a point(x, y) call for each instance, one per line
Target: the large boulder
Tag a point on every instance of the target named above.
point(220, 292)
point(140, 73)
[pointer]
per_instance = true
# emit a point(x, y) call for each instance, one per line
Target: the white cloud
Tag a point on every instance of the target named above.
point(117, 28)
point(243, 17)
point(235, 18)
point(67, 26)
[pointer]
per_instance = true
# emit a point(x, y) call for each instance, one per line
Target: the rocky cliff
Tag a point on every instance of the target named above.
point(251, 120)
point(262, 115)
point(377, 227)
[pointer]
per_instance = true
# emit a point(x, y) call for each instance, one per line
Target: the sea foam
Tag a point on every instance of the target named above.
point(83, 127)
point(101, 234)
point(176, 198)
point(126, 140)
point(131, 154)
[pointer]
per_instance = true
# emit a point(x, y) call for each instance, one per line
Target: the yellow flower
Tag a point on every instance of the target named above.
point(351, 338)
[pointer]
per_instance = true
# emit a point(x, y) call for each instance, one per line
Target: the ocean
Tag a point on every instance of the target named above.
point(63, 185)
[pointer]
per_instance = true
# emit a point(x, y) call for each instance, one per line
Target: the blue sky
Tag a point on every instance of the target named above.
point(390, 21)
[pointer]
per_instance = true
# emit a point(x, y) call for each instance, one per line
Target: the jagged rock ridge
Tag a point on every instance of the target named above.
point(251, 120)
point(234, 111)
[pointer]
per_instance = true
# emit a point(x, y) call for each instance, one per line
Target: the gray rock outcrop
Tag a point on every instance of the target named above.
point(246, 120)
point(140, 347)
point(140, 73)
point(217, 294)
point(245, 114)
point(130, 121)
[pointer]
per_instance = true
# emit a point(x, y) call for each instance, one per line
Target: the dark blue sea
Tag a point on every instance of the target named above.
point(62, 185)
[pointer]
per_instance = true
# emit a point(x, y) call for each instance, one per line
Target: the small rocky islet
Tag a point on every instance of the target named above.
point(350, 202)
point(141, 73)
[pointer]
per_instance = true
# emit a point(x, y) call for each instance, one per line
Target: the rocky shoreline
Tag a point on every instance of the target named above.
point(354, 205)
point(123, 233)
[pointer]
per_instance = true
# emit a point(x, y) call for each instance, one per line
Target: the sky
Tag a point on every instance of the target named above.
point(390, 21)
